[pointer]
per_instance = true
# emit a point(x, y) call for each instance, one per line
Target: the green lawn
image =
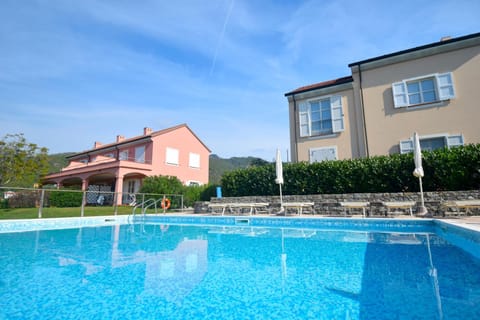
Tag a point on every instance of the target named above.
point(31, 213)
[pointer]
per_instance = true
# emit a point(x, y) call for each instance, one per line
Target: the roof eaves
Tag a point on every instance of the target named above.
point(321, 85)
point(423, 47)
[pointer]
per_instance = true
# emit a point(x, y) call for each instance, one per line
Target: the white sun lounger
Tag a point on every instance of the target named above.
point(355, 205)
point(299, 206)
point(252, 208)
point(460, 205)
point(403, 205)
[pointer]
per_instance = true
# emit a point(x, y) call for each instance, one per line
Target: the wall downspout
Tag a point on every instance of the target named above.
point(363, 111)
point(295, 128)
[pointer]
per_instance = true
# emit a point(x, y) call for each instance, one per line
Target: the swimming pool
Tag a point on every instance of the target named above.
point(242, 268)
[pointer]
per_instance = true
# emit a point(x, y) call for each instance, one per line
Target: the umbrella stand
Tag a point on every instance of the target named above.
point(282, 209)
point(422, 210)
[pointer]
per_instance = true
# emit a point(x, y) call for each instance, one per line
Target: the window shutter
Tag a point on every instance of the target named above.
point(323, 154)
point(399, 95)
point(172, 156)
point(304, 119)
point(194, 160)
point(337, 114)
point(445, 86)
point(406, 146)
point(455, 140)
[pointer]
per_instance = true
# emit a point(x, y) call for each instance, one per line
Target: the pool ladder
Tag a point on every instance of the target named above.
point(149, 203)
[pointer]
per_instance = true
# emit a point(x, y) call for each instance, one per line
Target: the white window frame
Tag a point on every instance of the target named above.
point(194, 160)
point(140, 154)
point(336, 112)
point(443, 83)
point(451, 140)
point(171, 156)
point(311, 151)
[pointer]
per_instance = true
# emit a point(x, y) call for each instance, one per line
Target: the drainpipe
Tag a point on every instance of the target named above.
point(363, 111)
point(295, 128)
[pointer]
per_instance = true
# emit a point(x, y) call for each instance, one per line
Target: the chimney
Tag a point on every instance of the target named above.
point(97, 145)
point(120, 138)
point(147, 131)
point(446, 38)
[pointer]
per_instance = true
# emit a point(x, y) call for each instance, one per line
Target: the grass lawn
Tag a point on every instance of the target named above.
point(32, 213)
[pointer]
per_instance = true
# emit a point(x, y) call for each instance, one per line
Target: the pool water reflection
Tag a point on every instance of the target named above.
point(162, 271)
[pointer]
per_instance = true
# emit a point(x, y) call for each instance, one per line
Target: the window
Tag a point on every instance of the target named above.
point(140, 154)
point(321, 116)
point(427, 89)
point(194, 160)
point(323, 154)
point(172, 156)
point(432, 143)
point(123, 155)
point(131, 186)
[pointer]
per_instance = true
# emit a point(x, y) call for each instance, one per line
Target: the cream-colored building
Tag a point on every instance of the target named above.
point(432, 89)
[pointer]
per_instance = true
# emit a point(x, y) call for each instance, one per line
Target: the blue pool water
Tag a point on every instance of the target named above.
point(171, 271)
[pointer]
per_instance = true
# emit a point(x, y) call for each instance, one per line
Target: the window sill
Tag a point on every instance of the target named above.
point(324, 136)
point(440, 103)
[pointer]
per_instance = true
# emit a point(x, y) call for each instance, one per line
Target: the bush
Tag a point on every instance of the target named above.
point(23, 199)
point(64, 199)
point(445, 169)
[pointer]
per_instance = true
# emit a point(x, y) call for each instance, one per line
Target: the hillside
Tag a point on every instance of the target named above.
point(218, 166)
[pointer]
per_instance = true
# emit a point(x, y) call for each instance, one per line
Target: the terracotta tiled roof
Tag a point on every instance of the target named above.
point(320, 85)
point(141, 137)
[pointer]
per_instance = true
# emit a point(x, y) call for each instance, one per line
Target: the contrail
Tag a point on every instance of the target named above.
point(220, 39)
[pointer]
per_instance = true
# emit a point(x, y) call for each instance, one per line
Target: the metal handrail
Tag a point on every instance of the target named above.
point(144, 207)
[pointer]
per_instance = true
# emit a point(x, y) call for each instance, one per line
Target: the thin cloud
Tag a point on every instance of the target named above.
point(222, 34)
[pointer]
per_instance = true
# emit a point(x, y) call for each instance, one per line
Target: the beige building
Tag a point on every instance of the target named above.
point(432, 89)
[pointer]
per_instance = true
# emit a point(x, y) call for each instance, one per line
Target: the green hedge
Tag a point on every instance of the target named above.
point(65, 199)
point(445, 169)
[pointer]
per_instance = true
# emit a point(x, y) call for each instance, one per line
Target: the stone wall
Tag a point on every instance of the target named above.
point(328, 204)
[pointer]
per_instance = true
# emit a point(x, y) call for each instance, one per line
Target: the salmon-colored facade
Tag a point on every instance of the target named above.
point(431, 89)
point(121, 166)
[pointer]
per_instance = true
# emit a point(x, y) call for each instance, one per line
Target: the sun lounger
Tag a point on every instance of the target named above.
point(460, 205)
point(355, 205)
point(250, 208)
point(298, 206)
point(402, 205)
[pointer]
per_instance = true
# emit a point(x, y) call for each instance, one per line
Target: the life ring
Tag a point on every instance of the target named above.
point(166, 203)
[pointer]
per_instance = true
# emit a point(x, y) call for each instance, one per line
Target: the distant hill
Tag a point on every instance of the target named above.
point(57, 161)
point(218, 166)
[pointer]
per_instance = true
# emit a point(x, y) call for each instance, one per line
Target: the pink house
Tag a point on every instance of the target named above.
point(121, 166)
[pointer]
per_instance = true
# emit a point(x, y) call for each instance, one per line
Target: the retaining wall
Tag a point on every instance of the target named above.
point(328, 204)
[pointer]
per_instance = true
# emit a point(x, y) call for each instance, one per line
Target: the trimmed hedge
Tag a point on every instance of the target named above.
point(65, 199)
point(445, 169)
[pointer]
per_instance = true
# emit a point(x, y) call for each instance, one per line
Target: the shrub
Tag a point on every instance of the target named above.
point(65, 198)
point(445, 169)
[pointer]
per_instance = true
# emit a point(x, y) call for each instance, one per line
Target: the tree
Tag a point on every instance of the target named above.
point(21, 163)
point(258, 162)
point(162, 185)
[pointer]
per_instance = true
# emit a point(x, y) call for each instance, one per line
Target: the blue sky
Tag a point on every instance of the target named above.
point(75, 72)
